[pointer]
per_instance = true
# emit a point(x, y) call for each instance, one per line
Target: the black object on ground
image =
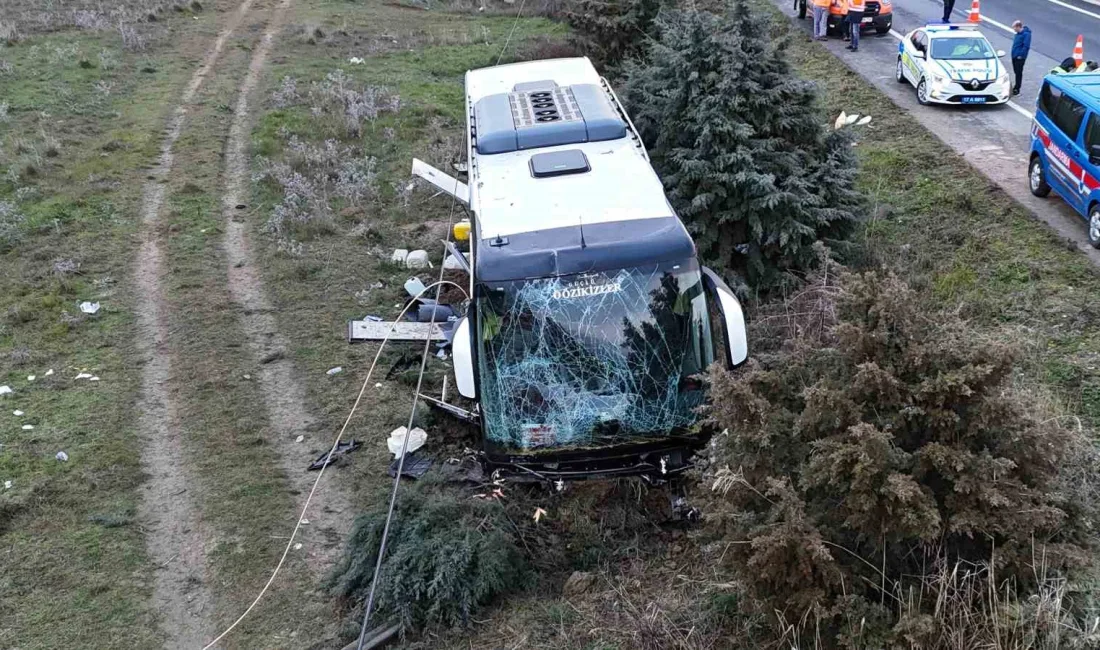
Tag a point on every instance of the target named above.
point(415, 466)
point(466, 469)
point(341, 450)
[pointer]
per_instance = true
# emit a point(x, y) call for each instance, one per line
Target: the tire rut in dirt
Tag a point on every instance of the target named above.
point(284, 396)
point(174, 537)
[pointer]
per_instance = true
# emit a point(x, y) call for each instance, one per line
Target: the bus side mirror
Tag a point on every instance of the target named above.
point(463, 358)
point(733, 319)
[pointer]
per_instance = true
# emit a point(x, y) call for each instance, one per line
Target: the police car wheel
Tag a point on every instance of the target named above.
point(1036, 179)
point(922, 92)
point(900, 73)
point(1094, 225)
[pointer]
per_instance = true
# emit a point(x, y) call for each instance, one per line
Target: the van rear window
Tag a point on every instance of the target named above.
point(1048, 100)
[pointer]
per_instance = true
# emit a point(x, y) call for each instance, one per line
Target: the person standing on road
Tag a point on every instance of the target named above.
point(948, 9)
point(821, 19)
point(1021, 46)
point(855, 21)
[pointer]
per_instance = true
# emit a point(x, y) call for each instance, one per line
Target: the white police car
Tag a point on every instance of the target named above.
point(952, 64)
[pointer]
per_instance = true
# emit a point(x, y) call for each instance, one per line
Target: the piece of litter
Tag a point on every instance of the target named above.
point(7, 485)
point(83, 375)
point(298, 546)
point(89, 307)
point(248, 376)
point(418, 259)
point(355, 60)
point(6, 390)
point(94, 379)
point(373, 319)
point(539, 514)
point(49, 372)
point(31, 378)
point(378, 385)
point(414, 287)
point(417, 438)
point(415, 466)
point(852, 118)
point(841, 120)
point(398, 256)
point(299, 438)
point(866, 120)
point(62, 456)
point(451, 263)
point(334, 371)
point(341, 449)
point(28, 427)
point(305, 522)
point(17, 413)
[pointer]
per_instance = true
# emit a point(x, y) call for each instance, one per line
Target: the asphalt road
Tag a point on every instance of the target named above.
point(995, 139)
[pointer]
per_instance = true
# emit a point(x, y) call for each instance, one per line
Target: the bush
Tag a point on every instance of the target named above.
point(448, 554)
point(878, 447)
point(739, 142)
point(611, 31)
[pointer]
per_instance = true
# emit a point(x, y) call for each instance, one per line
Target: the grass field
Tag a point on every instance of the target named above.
point(82, 115)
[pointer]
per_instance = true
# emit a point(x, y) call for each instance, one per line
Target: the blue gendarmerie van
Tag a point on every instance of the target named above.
point(1065, 145)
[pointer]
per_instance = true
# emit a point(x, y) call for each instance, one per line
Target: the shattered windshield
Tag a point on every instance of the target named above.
point(592, 360)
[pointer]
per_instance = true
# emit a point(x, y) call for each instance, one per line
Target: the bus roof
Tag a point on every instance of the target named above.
point(604, 205)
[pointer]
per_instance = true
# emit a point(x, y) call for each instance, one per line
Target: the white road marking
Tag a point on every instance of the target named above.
point(1078, 9)
point(1011, 104)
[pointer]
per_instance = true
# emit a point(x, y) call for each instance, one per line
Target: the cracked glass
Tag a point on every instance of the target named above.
point(592, 360)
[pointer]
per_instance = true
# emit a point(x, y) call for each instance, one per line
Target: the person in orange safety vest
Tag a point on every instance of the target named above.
point(855, 22)
point(821, 19)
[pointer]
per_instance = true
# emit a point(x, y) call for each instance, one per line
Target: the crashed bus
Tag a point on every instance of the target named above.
point(590, 317)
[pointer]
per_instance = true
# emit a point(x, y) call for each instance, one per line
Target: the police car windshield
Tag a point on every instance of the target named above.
point(592, 360)
point(961, 49)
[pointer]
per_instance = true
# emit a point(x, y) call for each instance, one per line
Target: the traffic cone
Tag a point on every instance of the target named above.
point(1079, 50)
point(975, 12)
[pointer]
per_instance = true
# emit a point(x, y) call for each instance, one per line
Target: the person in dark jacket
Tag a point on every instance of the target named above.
point(1021, 46)
point(948, 8)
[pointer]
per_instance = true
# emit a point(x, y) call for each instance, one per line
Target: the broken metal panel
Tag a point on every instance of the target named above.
point(360, 331)
point(442, 181)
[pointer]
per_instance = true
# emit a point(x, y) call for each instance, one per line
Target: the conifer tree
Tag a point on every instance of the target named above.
point(610, 31)
point(741, 145)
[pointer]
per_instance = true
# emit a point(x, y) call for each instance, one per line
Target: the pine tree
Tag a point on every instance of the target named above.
point(740, 145)
point(610, 31)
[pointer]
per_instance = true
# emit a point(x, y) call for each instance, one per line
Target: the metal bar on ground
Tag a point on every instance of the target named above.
point(376, 637)
point(368, 330)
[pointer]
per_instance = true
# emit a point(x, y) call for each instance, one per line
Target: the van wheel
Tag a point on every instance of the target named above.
point(922, 92)
point(1037, 180)
point(1094, 225)
point(882, 31)
point(899, 74)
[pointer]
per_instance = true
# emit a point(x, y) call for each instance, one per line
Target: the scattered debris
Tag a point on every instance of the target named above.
point(334, 371)
point(89, 307)
point(7, 485)
point(363, 330)
point(299, 438)
point(31, 377)
point(451, 263)
point(418, 259)
point(433, 313)
point(17, 413)
point(248, 376)
point(865, 121)
point(415, 466)
point(83, 375)
point(341, 450)
point(373, 319)
point(466, 469)
point(355, 60)
point(28, 427)
point(399, 255)
point(298, 546)
point(62, 456)
point(6, 390)
point(578, 583)
point(841, 120)
point(48, 373)
point(305, 522)
point(497, 493)
point(378, 385)
point(417, 438)
point(539, 514)
point(93, 379)
point(414, 286)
